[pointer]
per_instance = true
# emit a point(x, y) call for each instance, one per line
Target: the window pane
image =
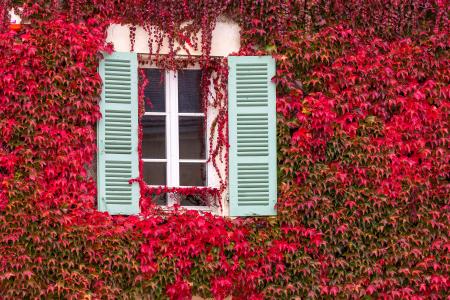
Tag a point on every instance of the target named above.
point(192, 200)
point(155, 173)
point(193, 174)
point(189, 91)
point(160, 199)
point(192, 138)
point(154, 137)
point(155, 91)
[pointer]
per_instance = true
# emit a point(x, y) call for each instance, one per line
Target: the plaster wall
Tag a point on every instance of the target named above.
point(15, 19)
point(225, 40)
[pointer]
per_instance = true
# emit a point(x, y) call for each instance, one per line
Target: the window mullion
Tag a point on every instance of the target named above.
point(175, 131)
point(173, 178)
point(168, 140)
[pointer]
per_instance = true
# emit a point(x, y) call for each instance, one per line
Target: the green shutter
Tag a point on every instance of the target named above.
point(252, 136)
point(117, 135)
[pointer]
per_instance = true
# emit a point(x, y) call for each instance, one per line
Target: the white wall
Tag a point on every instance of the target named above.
point(15, 19)
point(225, 40)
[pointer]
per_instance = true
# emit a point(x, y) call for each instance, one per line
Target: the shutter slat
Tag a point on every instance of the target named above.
point(252, 131)
point(117, 135)
point(113, 85)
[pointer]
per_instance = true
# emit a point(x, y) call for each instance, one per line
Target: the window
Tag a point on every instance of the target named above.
point(174, 145)
point(175, 139)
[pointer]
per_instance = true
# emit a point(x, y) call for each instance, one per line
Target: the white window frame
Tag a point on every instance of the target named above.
point(172, 159)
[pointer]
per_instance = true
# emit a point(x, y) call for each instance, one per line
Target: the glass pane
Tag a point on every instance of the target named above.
point(192, 200)
point(189, 91)
point(192, 138)
point(155, 91)
point(155, 173)
point(193, 174)
point(160, 199)
point(153, 137)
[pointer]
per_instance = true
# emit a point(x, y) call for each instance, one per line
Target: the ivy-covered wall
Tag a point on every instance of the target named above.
point(363, 110)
